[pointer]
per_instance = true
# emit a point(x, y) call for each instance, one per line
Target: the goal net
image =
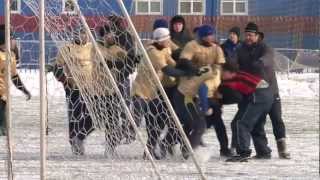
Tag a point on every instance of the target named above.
point(101, 125)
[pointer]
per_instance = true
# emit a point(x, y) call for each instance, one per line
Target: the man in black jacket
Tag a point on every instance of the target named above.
point(256, 58)
point(275, 114)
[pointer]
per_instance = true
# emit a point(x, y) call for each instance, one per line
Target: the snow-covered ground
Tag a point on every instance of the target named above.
point(293, 85)
point(300, 99)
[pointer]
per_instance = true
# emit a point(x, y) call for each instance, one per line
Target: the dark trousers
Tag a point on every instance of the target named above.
point(109, 118)
point(154, 113)
point(216, 121)
point(193, 122)
point(80, 122)
point(172, 136)
point(275, 114)
point(127, 128)
point(251, 123)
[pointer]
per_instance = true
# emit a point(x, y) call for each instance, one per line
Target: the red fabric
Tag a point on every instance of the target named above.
point(243, 82)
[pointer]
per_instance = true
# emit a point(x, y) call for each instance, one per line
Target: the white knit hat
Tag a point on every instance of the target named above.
point(161, 34)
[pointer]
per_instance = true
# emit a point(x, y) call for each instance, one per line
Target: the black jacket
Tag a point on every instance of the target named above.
point(258, 59)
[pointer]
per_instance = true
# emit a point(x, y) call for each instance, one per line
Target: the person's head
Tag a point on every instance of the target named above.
point(177, 24)
point(161, 37)
point(229, 71)
point(119, 22)
point(160, 23)
point(234, 34)
point(107, 35)
point(206, 34)
point(80, 36)
point(251, 32)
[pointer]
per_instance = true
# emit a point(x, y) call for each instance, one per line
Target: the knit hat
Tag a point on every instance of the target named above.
point(161, 34)
point(252, 27)
point(235, 30)
point(205, 30)
point(160, 23)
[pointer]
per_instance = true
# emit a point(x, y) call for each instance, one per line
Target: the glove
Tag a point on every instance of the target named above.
point(203, 71)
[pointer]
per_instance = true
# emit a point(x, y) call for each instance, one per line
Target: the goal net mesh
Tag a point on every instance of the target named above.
point(90, 134)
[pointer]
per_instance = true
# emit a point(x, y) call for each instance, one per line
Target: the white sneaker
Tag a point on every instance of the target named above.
point(77, 146)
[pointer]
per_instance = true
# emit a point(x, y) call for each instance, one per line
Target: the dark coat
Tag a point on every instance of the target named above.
point(230, 50)
point(258, 59)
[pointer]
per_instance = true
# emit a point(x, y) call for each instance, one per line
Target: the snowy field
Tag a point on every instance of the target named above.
point(300, 99)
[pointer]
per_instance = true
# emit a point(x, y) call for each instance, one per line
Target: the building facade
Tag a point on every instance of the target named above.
point(286, 23)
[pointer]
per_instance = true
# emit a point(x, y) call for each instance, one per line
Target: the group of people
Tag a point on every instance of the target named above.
point(198, 75)
point(205, 76)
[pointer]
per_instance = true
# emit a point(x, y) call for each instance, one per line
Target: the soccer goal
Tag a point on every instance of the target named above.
point(92, 124)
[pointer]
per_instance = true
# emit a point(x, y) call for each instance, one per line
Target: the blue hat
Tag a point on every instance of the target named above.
point(205, 30)
point(160, 23)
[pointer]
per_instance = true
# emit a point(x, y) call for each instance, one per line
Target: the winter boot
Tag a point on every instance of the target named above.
point(282, 149)
point(238, 158)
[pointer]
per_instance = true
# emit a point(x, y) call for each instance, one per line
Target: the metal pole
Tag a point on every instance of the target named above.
point(159, 85)
point(43, 92)
point(8, 98)
point(117, 91)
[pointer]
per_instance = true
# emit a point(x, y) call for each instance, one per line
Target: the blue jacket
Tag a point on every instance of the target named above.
point(230, 50)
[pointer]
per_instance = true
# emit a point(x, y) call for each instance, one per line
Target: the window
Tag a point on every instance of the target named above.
point(68, 7)
point(15, 6)
point(191, 7)
point(234, 7)
point(149, 7)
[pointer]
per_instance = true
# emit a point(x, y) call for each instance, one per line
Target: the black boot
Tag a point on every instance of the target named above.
point(226, 153)
point(262, 156)
point(238, 158)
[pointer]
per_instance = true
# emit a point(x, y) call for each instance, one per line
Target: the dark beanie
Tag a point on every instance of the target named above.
point(252, 27)
point(235, 30)
point(160, 23)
